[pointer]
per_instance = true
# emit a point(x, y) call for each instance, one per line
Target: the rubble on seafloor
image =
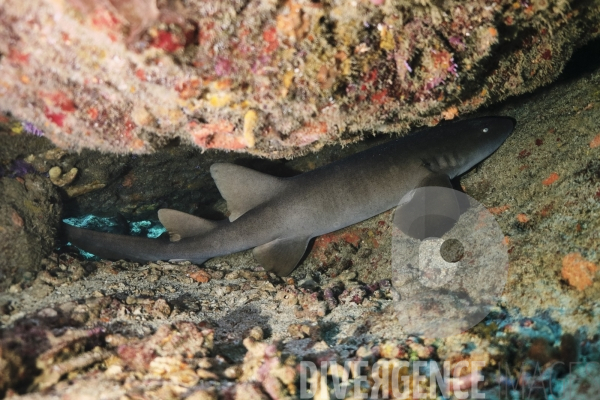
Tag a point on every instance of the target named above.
point(271, 78)
point(165, 331)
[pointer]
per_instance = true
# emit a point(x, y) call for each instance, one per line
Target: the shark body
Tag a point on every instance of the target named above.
point(278, 216)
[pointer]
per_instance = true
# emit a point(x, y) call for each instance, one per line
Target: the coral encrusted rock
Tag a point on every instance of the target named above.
point(273, 78)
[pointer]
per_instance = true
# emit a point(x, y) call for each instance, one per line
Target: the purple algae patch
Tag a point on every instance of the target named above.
point(32, 129)
point(17, 169)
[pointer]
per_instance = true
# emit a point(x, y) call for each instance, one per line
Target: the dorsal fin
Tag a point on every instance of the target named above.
point(244, 188)
point(181, 225)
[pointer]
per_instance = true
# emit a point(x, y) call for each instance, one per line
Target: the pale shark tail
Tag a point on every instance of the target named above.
point(140, 249)
point(111, 246)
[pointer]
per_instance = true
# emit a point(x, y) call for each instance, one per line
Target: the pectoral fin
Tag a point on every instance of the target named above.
point(181, 225)
point(430, 210)
point(436, 180)
point(281, 255)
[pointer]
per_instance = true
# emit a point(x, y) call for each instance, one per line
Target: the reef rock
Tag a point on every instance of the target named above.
point(271, 78)
point(29, 216)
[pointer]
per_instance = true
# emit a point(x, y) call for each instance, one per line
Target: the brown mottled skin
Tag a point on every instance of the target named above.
point(323, 200)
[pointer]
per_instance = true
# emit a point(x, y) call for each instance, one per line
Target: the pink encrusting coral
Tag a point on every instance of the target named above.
point(271, 78)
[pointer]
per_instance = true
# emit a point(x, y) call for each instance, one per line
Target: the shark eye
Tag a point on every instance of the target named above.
point(485, 129)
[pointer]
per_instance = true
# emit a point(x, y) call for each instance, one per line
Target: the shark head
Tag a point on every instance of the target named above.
point(455, 148)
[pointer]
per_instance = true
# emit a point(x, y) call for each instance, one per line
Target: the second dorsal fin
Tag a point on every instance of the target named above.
point(181, 225)
point(244, 188)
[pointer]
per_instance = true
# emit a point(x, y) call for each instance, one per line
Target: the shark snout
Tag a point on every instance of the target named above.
point(496, 131)
point(500, 128)
point(509, 124)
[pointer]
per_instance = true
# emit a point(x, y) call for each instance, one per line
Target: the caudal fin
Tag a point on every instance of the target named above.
point(111, 246)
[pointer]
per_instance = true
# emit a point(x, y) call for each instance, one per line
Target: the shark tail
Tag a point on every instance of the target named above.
point(112, 246)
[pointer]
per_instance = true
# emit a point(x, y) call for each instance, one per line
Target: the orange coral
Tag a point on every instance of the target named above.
point(200, 276)
point(578, 271)
point(450, 113)
point(499, 209)
point(216, 136)
point(551, 179)
point(351, 238)
point(294, 24)
point(309, 133)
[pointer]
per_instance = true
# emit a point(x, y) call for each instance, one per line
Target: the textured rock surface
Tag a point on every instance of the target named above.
point(29, 217)
point(267, 77)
